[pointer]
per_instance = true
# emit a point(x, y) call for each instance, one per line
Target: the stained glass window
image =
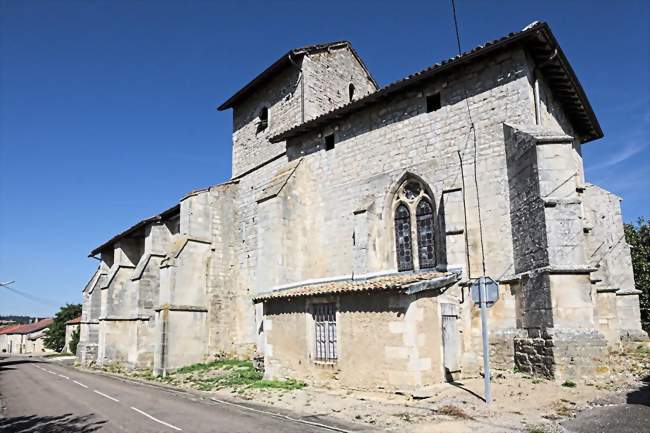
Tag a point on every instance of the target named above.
point(403, 238)
point(412, 190)
point(424, 220)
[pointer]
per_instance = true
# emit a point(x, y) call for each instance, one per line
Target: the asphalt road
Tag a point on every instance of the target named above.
point(47, 397)
point(623, 413)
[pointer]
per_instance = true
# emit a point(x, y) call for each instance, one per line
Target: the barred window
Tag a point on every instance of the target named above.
point(403, 238)
point(325, 332)
point(424, 220)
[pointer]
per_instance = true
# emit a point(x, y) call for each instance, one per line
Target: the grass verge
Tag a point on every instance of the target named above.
point(227, 373)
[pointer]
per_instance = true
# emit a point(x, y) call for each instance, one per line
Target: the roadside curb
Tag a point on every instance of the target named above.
point(314, 420)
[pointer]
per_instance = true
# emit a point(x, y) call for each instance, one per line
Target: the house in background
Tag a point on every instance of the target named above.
point(25, 339)
point(71, 326)
point(5, 331)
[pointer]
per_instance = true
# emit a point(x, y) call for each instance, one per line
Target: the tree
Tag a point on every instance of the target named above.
point(638, 237)
point(74, 341)
point(55, 338)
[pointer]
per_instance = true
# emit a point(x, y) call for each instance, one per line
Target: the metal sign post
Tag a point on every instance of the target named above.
point(486, 346)
point(485, 292)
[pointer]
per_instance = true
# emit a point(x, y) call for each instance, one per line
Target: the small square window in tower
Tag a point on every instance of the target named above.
point(329, 142)
point(263, 121)
point(433, 102)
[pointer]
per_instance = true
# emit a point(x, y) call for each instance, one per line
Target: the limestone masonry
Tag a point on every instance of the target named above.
point(343, 246)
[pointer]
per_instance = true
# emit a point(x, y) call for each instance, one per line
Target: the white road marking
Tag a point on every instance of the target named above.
point(278, 415)
point(51, 372)
point(155, 419)
point(107, 396)
point(65, 377)
point(80, 384)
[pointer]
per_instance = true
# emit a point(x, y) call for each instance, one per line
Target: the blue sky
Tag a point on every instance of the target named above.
point(108, 109)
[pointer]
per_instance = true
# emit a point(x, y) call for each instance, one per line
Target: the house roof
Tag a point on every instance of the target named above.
point(401, 281)
point(37, 335)
point(545, 50)
point(74, 321)
point(134, 228)
point(28, 328)
point(284, 61)
point(8, 329)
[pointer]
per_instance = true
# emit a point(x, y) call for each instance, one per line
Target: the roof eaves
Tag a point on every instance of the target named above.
point(410, 282)
point(586, 105)
point(438, 68)
point(159, 217)
point(283, 61)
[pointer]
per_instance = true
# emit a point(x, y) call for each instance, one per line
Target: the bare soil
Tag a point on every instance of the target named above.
point(521, 403)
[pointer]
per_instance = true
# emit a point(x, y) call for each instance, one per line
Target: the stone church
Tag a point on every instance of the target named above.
point(357, 216)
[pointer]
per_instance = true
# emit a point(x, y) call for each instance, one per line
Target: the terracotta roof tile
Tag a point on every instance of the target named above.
point(28, 328)
point(74, 321)
point(8, 329)
point(382, 283)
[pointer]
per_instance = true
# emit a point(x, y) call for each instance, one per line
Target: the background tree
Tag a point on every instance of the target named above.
point(74, 341)
point(55, 338)
point(638, 237)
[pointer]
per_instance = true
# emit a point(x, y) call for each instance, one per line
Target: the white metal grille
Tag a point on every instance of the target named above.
point(325, 332)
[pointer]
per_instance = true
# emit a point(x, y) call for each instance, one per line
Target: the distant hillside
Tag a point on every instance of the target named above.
point(17, 319)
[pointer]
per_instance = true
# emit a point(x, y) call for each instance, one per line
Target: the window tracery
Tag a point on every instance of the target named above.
point(414, 227)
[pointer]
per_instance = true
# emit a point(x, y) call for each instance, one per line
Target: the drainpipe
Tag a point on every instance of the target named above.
point(302, 88)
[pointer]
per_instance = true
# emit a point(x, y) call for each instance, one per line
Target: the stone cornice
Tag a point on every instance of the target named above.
point(123, 319)
point(173, 307)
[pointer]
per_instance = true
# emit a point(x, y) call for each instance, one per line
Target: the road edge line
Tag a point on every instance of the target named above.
point(156, 419)
point(279, 415)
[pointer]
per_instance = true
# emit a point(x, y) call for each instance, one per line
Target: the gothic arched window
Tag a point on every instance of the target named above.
point(403, 238)
point(414, 228)
point(351, 91)
point(424, 223)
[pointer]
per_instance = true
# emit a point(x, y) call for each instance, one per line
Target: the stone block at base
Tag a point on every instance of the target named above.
point(562, 354)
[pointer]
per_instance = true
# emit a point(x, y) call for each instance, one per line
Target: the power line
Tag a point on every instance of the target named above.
point(472, 130)
point(33, 298)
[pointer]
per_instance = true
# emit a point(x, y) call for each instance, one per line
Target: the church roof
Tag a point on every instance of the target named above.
point(286, 60)
point(410, 282)
point(134, 228)
point(545, 50)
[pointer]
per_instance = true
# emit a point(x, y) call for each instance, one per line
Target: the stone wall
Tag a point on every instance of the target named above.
point(561, 354)
point(389, 341)
point(69, 330)
point(613, 279)
point(326, 75)
point(557, 301)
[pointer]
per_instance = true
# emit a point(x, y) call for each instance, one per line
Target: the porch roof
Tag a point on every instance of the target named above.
point(408, 282)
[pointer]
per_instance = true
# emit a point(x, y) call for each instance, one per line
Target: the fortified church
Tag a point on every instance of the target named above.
point(357, 216)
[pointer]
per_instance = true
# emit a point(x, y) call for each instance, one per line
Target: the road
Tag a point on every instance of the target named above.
point(620, 413)
point(48, 397)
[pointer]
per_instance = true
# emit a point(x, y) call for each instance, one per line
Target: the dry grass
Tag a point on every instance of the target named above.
point(453, 411)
